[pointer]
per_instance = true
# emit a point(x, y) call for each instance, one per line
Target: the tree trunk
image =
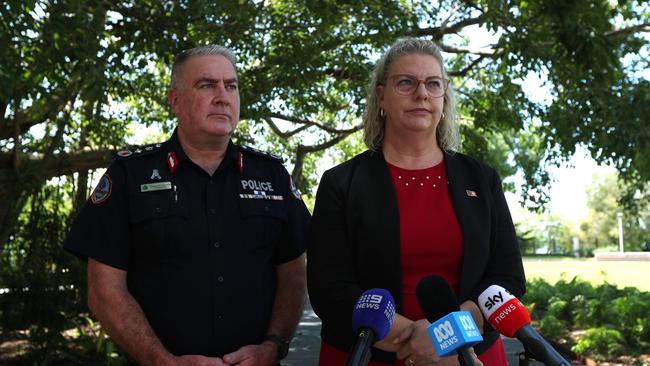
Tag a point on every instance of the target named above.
point(13, 195)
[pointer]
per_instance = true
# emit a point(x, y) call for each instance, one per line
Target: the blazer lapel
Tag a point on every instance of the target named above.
point(379, 224)
point(470, 205)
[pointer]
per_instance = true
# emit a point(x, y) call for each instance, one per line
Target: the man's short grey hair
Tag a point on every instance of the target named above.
point(447, 133)
point(209, 50)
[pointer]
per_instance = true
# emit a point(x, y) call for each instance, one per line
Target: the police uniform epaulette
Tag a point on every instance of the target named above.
point(264, 154)
point(138, 151)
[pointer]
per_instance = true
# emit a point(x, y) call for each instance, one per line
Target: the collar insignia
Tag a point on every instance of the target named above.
point(155, 174)
point(172, 162)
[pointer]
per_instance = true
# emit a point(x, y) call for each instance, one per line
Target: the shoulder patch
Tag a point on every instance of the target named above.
point(102, 191)
point(138, 151)
point(264, 154)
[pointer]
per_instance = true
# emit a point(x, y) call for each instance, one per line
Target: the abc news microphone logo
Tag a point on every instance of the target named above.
point(445, 330)
point(453, 331)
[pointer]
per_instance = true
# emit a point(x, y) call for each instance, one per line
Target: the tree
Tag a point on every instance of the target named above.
point(546, 232)
point(78, 75)
point(606, 197)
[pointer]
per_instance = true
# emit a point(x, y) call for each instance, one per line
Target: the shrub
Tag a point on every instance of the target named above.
point(600, 342)
point(559, 309)
point(553, 328)
point(615, 320)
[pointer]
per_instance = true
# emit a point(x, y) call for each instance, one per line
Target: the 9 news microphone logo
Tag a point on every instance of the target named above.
point(375, 302)
point(369, 301)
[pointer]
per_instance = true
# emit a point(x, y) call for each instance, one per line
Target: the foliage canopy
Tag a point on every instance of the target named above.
point(80, 77)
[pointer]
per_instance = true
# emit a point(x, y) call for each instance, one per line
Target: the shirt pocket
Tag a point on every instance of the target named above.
point(159, 224)
point(262, 221)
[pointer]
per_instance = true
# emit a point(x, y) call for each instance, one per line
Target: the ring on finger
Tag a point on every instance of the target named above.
point(410, 362)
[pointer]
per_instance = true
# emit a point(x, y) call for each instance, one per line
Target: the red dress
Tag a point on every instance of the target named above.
point(431, 242)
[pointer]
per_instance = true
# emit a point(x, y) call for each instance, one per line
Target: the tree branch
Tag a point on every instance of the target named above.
point(624, 32)
point(342, 74)
point(312, 123)
point(61, 164)
point(302, 151)
point(464, 71)
point(438, 32)
point(472, 50)
point(38, 113)
point(284, 135)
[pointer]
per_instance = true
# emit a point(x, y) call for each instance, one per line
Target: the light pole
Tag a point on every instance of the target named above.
point(619, 216)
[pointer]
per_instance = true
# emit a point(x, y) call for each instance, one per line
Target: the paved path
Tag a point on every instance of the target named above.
point(306, 344)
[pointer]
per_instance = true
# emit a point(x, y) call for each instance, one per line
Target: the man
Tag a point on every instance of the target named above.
point(195, 247)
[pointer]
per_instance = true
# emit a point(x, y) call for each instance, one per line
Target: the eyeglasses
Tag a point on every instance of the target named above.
point(407, 84)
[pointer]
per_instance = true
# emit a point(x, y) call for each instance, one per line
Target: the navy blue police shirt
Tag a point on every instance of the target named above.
point(200, 251)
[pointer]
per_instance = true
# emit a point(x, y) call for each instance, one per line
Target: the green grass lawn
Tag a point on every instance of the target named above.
point(620, 273)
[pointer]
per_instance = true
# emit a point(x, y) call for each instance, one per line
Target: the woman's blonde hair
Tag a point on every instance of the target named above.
point(447, 132)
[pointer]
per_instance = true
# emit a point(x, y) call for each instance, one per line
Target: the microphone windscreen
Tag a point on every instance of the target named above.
point(435, 297)
point(375, 310)
point(503, 310)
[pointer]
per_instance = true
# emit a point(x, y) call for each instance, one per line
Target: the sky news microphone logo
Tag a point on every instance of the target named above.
point(503, 311)
point(493, 298)
point(453, 331)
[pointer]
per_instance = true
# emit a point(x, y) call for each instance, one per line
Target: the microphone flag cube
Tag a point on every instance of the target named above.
point(453, 331)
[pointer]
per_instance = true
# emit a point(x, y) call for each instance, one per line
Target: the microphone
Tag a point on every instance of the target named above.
point(509, 316)
point(372, 319)
point(452, 331)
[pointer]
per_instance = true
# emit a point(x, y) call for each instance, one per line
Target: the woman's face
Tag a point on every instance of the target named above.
point(417, 110)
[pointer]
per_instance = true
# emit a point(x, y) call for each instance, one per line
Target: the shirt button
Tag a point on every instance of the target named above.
point(220, 278)
point(213, 211)
point(216, 244)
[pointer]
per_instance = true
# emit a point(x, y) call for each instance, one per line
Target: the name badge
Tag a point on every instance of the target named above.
point(159, 186)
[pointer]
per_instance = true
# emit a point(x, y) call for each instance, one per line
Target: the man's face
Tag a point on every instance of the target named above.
point(206, 97)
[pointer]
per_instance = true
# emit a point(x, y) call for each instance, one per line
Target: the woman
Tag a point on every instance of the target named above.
point(409, 207)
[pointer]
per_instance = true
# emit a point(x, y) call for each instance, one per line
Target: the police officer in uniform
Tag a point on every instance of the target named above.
point(195, 246)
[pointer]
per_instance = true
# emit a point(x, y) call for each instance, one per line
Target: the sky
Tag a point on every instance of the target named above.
point(568, 198)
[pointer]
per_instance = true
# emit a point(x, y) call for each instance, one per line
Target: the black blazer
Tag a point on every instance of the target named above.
point(355, 240)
